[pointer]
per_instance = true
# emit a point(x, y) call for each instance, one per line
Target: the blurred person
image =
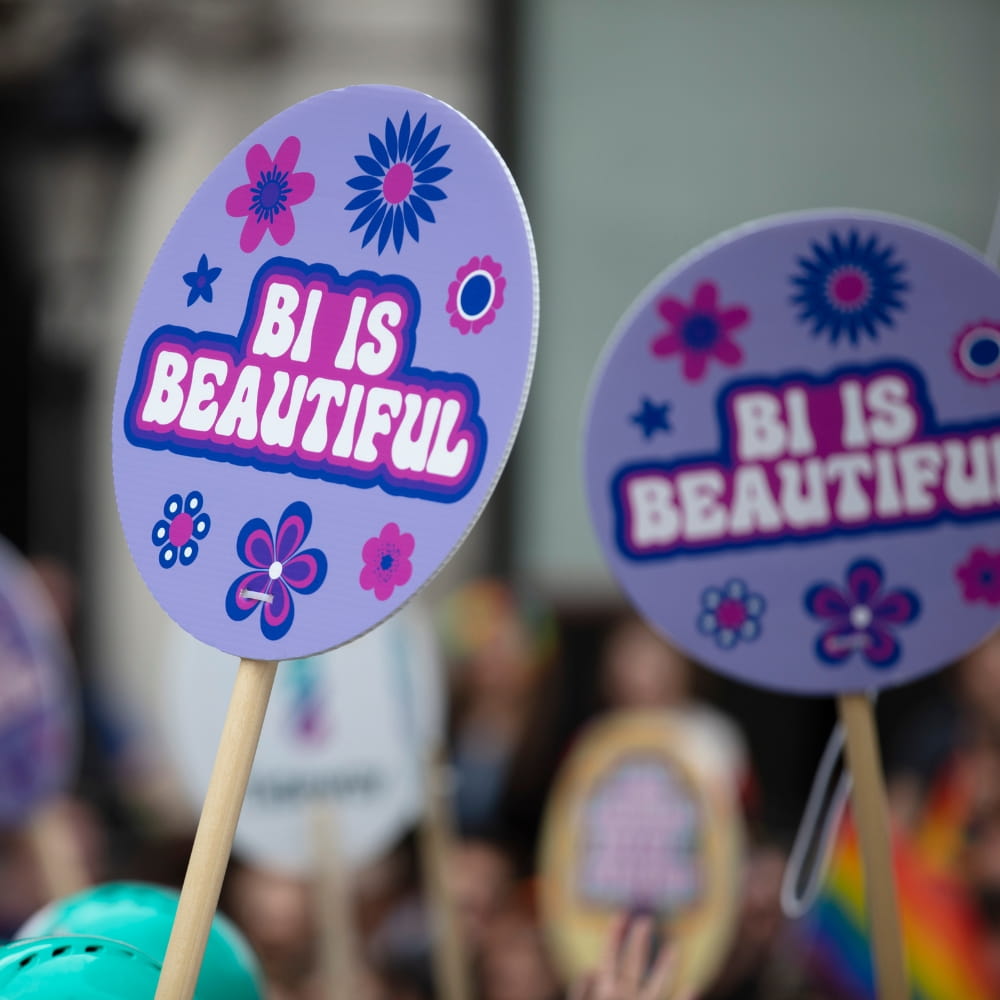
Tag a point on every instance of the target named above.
point(513, 963)
point(497, 645)
point(630, 969)
point(641, 670)
point(481, 885)
point(276, 913)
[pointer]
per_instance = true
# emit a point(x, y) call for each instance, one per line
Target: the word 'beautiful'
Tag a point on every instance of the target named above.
point(805, 457)
point(318, 383)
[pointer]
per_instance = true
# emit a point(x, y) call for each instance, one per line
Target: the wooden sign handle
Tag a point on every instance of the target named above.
point(213, 841)
point(338, 948)
point(451, 968)
point(871, 812)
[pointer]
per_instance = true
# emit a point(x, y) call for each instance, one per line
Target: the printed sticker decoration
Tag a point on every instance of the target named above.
point(836, 458)
point(268, 199)
point(848, 286)
point(476, 294)
point(321, 400)
point(397, 183)
point(183, 525)
point(977, 352)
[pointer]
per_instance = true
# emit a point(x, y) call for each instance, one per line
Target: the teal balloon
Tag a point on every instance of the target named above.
point(84, 967)
point(141, 915)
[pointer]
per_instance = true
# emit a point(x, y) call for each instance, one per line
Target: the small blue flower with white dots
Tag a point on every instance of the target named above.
point(185, 523)
point(731, 614)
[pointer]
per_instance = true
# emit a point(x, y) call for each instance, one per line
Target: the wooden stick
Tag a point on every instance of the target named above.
point(56, 851)
point(451, 969)
point(871, 811)
point(337, 954)
point(214, 839)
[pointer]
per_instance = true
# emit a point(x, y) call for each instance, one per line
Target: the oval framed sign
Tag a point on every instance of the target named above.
point(324, 372)
point(793, 452)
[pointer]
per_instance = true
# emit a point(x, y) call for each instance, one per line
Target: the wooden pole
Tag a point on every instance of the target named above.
point(871, 812)
point(214, 838)
point(337, 954)
point(451, 969)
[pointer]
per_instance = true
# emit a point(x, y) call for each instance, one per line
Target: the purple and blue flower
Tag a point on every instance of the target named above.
point(398, 182)
point(976, 352)
point(731, 614)
point(701, 331)
point(862, 617)
point(200, 281)
point(850, 286)
point(278, 566)
point(268, 199)
point(184, 524)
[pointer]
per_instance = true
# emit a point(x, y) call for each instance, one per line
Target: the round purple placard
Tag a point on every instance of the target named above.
point(37, 701)
point(324, 372)
point(793, 452)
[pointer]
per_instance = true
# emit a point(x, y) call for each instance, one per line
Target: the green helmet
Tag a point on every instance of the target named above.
point(81, 967)
point(142, 915)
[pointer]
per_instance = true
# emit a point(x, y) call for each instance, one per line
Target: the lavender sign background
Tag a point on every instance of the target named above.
point(324, 372)
point(792, 452)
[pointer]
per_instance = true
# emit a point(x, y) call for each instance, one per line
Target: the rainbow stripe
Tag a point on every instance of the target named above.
point(941, 934)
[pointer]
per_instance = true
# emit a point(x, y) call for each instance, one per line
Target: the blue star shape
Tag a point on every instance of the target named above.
point(652, 417)
point(200, 281)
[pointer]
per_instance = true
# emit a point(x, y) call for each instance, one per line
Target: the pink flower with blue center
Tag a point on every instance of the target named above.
point(476, 294)
point(979, 576)
point(268, 199)
point(279, 567)
point(387, 561)
point(700, 332)
point(184, 524)
point(862, 617)
point(399, 181)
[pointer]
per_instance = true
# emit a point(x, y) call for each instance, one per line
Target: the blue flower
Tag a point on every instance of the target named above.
point(849, 287)
point(200, 281)
point(730, 614)
point(399, 179)
point(186, 524)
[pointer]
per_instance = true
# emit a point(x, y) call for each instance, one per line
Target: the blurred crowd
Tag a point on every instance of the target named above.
point(516, 706)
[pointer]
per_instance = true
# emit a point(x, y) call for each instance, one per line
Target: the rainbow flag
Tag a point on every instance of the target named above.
point(942, 937)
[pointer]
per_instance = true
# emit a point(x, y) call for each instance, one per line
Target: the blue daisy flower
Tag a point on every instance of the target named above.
point(849, 287)
point(399, 181)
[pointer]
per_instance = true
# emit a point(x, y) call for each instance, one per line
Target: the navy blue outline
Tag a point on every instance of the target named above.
point(929, 429)
point(237, 349)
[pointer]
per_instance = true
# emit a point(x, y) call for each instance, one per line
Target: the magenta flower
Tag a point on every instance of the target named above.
point(387, 561)
point(979, 577)
point(267, 200)
point(862, 617)
point(700, 331)
point(278, 565)
point(476, 294)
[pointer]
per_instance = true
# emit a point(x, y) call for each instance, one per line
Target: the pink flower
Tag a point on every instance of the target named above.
point(700, 331)
point(267, 200)
point(979, 576)
point(476, 294)
point(387, 561)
